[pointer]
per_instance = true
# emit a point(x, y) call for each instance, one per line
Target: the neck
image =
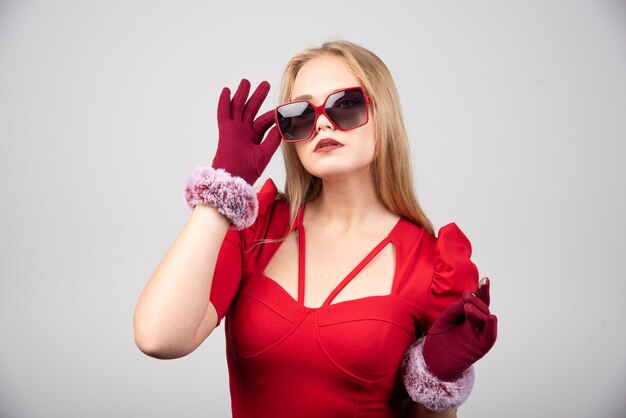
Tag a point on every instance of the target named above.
point(347, 203)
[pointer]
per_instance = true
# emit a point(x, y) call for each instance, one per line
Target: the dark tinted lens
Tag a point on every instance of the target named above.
point(296, 120)
point(347, 108)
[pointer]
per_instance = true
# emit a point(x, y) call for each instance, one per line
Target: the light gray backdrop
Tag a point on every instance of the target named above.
point(517, 116)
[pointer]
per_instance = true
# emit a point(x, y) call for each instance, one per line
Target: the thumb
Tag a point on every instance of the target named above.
point(263, 122)
point(483, 290)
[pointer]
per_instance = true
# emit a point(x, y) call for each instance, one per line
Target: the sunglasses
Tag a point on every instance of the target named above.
point(346, 109)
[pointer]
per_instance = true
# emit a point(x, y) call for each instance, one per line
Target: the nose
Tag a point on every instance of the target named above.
point(322, 123)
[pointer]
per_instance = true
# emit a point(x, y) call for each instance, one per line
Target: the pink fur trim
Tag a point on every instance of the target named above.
point(230, 195)
point(436, 395)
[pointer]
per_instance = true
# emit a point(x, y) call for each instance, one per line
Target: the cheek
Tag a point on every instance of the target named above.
point(371, 153)
point(300, 151)
point(369, 142)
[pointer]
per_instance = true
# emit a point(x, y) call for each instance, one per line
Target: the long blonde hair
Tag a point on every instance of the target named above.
point(391, 167)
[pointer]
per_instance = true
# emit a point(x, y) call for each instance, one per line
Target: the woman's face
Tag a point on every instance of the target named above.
point(318, 78)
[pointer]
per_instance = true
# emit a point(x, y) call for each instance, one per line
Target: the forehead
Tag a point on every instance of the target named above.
point(321, 76)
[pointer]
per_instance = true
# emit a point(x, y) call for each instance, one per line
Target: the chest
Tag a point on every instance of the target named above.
point(334, 307)
point(320, 267)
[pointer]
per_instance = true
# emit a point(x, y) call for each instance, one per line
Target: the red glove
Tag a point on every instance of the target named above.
point(461, 335)
point(239, 149)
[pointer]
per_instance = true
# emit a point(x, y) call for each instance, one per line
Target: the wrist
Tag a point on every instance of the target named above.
point(232, 196)
point(427, 389)
point(442, 361)
point(233, 166)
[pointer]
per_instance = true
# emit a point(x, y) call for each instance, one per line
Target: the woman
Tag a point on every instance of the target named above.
point(331, 322)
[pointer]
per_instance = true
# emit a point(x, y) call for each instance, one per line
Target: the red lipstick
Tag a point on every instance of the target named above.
point(327, 144)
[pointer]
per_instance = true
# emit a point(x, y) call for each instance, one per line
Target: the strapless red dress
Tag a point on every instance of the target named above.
point(341, 359)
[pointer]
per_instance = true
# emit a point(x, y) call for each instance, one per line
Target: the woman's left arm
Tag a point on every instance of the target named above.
point(416, 410)
point(437, 369)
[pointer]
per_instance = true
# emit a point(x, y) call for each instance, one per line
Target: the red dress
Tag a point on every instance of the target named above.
point(341, 359)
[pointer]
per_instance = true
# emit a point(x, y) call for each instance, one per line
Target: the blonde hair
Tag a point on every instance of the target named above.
point(391, 168)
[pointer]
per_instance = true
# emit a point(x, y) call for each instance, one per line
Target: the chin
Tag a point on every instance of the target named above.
point(340, 173)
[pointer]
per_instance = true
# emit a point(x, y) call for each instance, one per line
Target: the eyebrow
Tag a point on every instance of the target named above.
point(309, 97)
point(304, 97)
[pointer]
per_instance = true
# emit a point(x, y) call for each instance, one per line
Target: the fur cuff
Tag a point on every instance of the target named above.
point(230, 195)
point(435, 394)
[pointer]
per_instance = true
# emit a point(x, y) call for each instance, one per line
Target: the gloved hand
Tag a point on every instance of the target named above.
point(239, 149)
point(461, 335)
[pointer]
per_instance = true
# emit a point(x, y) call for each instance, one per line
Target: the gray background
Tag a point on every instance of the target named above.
point(516, 114)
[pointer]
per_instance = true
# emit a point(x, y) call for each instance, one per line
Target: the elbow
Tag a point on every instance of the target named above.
point(155, 344)
point(150, 347)
point(162, 340)
point(158, 348)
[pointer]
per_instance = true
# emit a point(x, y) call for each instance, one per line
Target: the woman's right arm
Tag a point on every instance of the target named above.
point(174, 314)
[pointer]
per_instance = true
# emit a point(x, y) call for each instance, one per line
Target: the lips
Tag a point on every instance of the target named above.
point(325, 142)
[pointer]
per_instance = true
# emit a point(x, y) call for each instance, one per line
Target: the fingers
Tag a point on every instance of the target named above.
point(477, 312)
point(471, 299)
point(490, 331)
point(483, 290)
point(476, 317)
point(223, 105)
point(239, 99)
point(255, 102)
point(240, 108)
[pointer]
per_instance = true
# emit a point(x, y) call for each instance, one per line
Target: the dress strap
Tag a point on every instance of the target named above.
point(301, 255)
point(356, 270)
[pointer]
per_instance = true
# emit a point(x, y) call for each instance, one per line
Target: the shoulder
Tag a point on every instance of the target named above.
point(267, 195)
point(452, 253)
point(453, 271)
point(450, 239)
point(273, 216)
point(436, 264)
point(271, 202)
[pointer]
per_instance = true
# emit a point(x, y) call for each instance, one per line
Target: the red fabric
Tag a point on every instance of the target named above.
point(342, 359)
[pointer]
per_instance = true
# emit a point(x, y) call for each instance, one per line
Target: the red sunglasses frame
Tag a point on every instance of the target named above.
point(320, 110)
